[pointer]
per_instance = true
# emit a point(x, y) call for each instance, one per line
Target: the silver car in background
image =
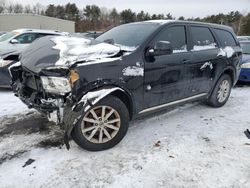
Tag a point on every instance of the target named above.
point(21, 38)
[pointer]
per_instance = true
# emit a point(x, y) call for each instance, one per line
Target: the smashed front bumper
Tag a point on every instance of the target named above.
point(28, 87)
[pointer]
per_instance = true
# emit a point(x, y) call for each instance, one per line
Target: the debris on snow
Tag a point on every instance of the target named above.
point(55, 142)
point(8, 156)
point(206, 139)
point(247, 133)
point(157, 144)
point(137, 166)
point(29, 162)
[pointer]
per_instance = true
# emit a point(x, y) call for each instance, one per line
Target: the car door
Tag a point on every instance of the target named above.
point(24, 40)
point(201, 68)
point(164, 76)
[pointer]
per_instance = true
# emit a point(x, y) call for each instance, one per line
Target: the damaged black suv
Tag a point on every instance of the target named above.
point(95, 87)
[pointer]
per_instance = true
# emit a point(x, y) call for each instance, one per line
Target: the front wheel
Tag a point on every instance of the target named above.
point(221, 91)
point(103, 126)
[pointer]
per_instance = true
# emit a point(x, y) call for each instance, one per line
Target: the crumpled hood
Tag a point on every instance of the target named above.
point(63, 51)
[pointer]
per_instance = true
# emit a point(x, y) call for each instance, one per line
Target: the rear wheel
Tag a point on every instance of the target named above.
point(221, 91)
point(103, 125)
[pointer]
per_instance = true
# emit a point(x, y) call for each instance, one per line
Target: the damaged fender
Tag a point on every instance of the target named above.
point(73, 114)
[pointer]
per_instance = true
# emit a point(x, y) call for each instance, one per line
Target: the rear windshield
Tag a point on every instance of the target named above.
point(129, 35)
point(7, 36)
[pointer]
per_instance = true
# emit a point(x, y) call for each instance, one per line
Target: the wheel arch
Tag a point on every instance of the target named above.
point(126, 99)
point(231, 73)
point(107, 90)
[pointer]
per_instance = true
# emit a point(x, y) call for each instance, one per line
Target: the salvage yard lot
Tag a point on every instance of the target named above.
point(192, 146)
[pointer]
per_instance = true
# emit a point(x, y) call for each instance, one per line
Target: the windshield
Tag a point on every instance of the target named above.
point(7, 36)
point(128, 36)
point(245, 48)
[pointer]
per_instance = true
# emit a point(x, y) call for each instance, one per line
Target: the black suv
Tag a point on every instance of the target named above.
point(94, 87)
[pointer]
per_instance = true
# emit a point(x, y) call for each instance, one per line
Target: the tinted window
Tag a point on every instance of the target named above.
point(202, 38)
point(176, 35)
point(225, 37)
point(39, 35)
point(129, 35)
point(26, 38)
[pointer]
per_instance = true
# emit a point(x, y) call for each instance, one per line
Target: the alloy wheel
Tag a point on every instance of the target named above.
point(100, 124)
point(223, 91)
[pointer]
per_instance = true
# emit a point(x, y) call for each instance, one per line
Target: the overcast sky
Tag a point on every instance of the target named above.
point(186, 8)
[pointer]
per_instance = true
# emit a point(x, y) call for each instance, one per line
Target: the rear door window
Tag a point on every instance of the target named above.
point(202, 38)
point(225, 37)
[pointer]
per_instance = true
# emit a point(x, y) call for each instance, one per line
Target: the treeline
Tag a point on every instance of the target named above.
point(93, 17)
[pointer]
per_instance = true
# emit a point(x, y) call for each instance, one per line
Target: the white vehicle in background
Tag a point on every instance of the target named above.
point(21, 38)
point(2, 32)
point(243, 38)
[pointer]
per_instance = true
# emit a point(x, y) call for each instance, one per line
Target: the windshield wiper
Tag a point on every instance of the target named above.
point(109, 41)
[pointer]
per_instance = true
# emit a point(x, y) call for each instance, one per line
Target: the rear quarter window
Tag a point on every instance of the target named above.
point(225, 38)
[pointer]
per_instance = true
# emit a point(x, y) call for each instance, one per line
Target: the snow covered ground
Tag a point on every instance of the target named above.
point(190, 146)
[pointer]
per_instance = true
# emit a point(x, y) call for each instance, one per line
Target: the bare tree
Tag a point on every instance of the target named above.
point(27, 9)
point(2, 5)
point(10, 8)
point(38, 8)
point(18, 8)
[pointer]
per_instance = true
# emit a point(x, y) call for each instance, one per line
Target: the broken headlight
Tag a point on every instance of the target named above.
point(4, 63)
point(57, 85)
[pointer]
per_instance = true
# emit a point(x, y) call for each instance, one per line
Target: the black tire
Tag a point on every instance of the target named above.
point(122, 110)
point(213, 99)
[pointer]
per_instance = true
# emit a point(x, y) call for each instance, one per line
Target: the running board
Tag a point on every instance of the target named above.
point(173, 103)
